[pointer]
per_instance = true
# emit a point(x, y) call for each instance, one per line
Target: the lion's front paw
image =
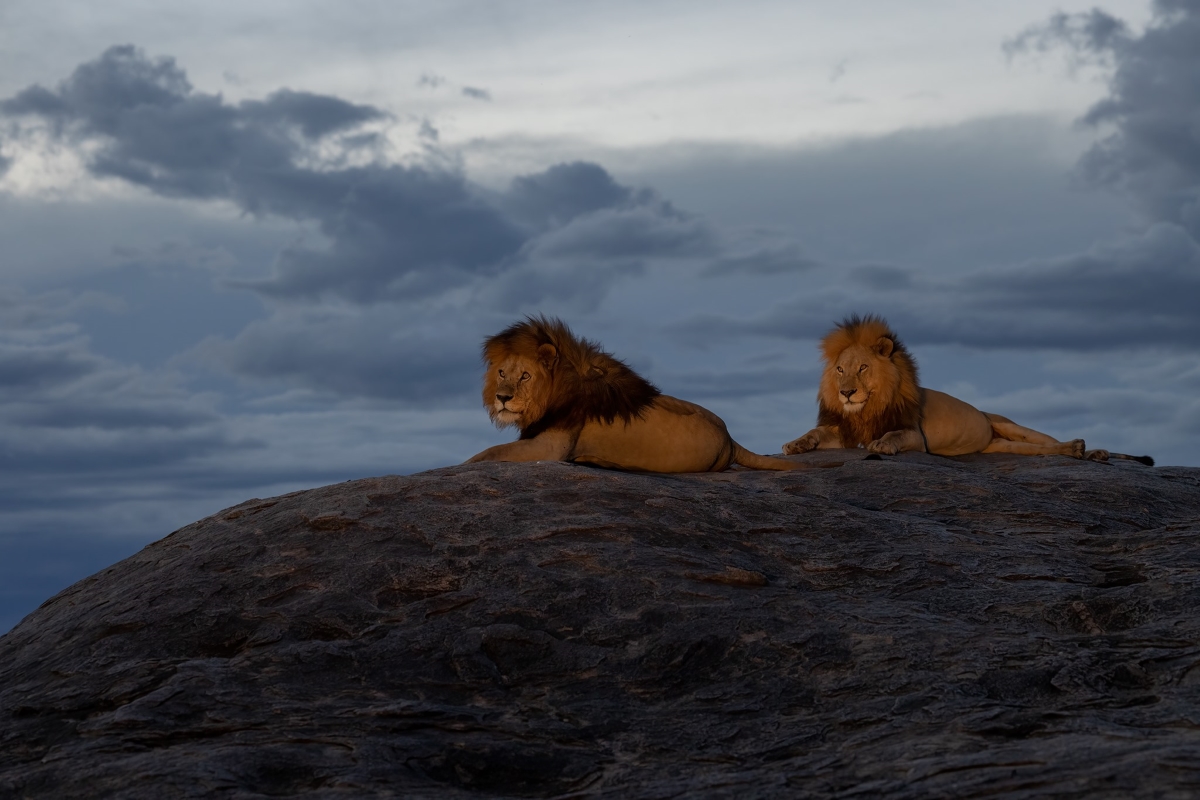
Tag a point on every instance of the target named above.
point(1078, 448)
point(808, 441)
point(883, 446)
point(1096, 455)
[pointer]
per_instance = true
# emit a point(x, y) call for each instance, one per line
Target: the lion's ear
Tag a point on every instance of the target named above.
point(884, 346)
point(547, 354)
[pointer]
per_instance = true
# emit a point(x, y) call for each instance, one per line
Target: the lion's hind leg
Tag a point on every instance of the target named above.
point(1005, 428)
point(1073, 448)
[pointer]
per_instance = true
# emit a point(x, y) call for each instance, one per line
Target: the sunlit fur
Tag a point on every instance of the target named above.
point(892, 394)
point(571, 380)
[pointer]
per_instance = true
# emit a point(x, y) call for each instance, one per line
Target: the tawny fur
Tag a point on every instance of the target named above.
point(572, 401)
point(586, 384)
point(895, 405)
point(870, 397)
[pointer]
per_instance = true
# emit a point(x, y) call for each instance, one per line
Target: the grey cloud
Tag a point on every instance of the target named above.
point(387, 224)
point(1092, 35)
point(941, 199)
point(315, 115)
point(169, 255)
point(1155, 276)
point(476, 94)
point(644, 231)
point(21, 312)
point(394, 232)
point(764, 261)
point(350, 355)
point(1154, 89)
point(1138, 292)
point(562, 193)
point(65, 409)
point(154, 130)
point(579, 284)
point(745, 382)
point(882, 276)
point(431, 80)
point(28, 367)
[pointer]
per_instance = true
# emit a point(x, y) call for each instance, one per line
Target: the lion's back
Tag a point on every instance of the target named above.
point(669, 435)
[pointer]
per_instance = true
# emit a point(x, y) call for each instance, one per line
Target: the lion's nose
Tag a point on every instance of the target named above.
point(504, 398)
point(848, 393)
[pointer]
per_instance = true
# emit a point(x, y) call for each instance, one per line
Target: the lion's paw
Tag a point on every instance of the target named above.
point(802, 445)
point(1078, 448)
point(1096, 455)
point(883, 446)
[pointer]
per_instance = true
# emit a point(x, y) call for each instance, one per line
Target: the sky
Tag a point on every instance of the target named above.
point(251, 248)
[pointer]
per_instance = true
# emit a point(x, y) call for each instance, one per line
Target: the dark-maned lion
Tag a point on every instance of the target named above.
point(869, 396)
point(574, 402)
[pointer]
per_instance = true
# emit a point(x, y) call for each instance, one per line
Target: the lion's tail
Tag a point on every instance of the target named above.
point(1147, 460)
point(754, 461)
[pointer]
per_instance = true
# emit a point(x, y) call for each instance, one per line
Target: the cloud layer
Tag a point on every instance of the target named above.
point(394, 232)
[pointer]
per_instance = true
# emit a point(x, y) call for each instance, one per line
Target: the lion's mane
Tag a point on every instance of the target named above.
point(586, 383)
point(895, 401)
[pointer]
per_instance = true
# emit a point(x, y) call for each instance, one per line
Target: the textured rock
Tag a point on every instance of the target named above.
point(910, 627)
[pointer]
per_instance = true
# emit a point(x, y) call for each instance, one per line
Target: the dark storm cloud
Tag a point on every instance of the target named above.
point(649, 229)
point(364, 354)
point(64, 408)
point(155, 131)
point(1154, 91)
point(562, 193)
point(1155, 276)
point(1135, 292)
point(745, 382)
point(394, 232)
point(1091, 35)
point(882, 276)
point(578, 283)
point(28, 367)
point(476, 94)
point(764, 261)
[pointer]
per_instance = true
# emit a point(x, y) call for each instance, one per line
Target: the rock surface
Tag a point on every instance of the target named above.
point(911, 627)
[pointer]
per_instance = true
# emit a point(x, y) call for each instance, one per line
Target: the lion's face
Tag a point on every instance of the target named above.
point(859, 376)
point(516, 390)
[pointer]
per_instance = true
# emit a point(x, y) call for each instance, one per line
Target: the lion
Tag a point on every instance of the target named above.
point(574, 402)
point(869, 396)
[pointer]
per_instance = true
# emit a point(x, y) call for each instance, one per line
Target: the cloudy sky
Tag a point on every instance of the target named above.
point(250, 248)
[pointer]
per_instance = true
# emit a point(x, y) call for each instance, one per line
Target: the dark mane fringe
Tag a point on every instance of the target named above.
point(903, 409)
point(588, 383)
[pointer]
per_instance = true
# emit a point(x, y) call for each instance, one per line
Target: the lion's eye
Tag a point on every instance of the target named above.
point(839, 369)
point(524, 376)
point(862, 368)
point(501, 372)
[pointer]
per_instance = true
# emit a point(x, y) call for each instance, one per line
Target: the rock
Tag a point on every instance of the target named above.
point(908, 627)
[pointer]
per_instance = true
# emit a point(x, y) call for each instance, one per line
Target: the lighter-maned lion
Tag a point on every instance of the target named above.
point(869, 396)
point(574, 402)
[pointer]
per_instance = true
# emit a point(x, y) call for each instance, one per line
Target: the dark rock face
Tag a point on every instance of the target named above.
point(912, 627)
